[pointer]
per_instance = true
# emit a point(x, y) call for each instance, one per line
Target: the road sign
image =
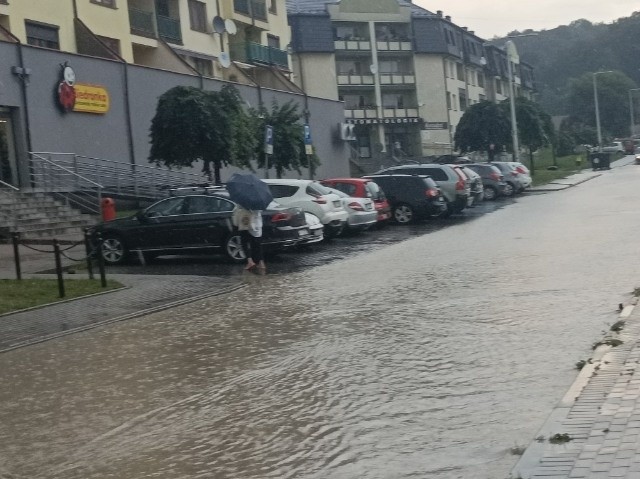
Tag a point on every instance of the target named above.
point(308, 143)
point(268, 140)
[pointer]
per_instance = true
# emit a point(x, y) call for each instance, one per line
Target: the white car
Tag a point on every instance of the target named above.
point(312, 198)
point(315, 227)
point(362, 211)
point(525, 175)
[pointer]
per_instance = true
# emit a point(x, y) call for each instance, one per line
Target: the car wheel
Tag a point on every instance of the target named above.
point(403, 214)
point(490, 193)
point(114, 250)
point(509, 189)
point(233, 248)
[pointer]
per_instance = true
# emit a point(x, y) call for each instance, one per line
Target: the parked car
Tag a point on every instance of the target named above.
point(454, 184)
point(511, 177)
point(525, 175)
point(190, 223)
point(313, 198)
point(492, 179)
point(477, 188)
point(362, 212)
point(411, 196)
point(315, 228)
point(613, 147)
point(363, 188)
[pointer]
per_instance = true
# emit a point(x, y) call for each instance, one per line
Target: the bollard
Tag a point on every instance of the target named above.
point(87, 247)
point(56, 249)
point(15, 238)
point(103, 277)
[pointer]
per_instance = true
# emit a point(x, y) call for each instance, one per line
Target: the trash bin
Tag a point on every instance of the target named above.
point(600, 161)
point(108, 207)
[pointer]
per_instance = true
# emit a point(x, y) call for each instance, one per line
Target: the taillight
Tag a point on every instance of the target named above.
point(495, 176)
point(514, 173)
point(460, 184)
point(321, 200)
point(280, 217)
point(520, 169)
point(431, 193)
point(356, 206)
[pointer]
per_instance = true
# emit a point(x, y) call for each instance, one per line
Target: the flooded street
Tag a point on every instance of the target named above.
point(430, 357)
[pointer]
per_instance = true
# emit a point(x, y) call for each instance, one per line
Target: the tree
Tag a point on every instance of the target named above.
point(288, 140)
point(192, 125)
point(482, 125)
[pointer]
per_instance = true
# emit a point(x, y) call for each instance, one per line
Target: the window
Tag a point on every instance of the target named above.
point(112, 43)
point(460, 71)
point(208, 204)
point(481, 97)
point(273, 41)
point(499, 87)
point(448, 101)
point(198, 16)
point(462, 95)
point(282, 191)
point(203, 66)
point(169, 207)
point(273, 7)
point(106, 3)
point(42, 35)
point(454, 101)
point(481, 79)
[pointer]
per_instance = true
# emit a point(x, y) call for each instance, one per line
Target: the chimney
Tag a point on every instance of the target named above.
point(472, 32)
point(465, 29)
point(448, 18)
point(439, 13)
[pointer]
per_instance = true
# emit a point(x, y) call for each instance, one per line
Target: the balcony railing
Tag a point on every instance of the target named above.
point(397, 79)
point(360, 113)
point(394, 46)
point(256, 53)
point(364, 45)
point(252, 8)
point(141, 23)
point(351, 79)
point(169, 29)
point(399, 112)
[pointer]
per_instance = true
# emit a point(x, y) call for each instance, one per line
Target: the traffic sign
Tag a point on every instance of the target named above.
point(268, 140)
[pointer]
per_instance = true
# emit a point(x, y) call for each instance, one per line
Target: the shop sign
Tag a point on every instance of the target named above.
point(435, 125)
point(80, 97)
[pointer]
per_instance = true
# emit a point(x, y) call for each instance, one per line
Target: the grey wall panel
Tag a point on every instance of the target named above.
point(311, 33)
point(10, 91)
point(428, 36)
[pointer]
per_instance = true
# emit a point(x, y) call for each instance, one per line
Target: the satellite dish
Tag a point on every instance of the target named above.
point(224, 60)
point(230, 25)
point(373, 68)
point(218, 24)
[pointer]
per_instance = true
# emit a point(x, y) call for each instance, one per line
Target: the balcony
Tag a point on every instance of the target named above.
point(399, 112)
point(256, 53)
point(353, 45)
point(397, 79)
point(141, 23)
point(352, 79)
point(361, 113)
point(394, 46)
point(169, 29)
point(251, 8)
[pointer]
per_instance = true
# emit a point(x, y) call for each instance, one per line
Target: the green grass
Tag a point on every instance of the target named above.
point(28, 293)
point(566, 165)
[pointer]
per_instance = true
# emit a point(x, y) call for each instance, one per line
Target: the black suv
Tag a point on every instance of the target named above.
point(411, 196)
point(189, 223)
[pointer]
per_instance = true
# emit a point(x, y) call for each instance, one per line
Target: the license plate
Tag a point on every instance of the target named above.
point(336, 204)
point(368, 207)
point(303, 232)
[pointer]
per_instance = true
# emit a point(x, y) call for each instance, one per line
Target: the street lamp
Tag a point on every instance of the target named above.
point(595, 99)
point(631, 115)
point(511, 55)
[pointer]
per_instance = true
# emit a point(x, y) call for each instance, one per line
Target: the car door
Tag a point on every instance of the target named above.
point(158, 222)
point(209, 222)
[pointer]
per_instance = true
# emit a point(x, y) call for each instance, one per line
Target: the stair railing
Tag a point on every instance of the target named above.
point(76, 190)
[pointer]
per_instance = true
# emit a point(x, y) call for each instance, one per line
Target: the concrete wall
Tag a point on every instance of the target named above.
point(107, 136)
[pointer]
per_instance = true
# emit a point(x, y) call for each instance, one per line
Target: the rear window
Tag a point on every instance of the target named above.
point(373, 191)
point(429, 182)
point(347, 188)
point(282, 191)
point(436, 173)
point(316, 189)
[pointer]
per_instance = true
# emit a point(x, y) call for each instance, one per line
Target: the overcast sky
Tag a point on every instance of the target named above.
point(499, 17)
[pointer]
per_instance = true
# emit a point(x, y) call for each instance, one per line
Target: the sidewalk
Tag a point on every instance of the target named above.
point(142, 294)
point(599, 415)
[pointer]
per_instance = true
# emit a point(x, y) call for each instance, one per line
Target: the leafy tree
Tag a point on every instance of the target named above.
point(288, 140)
point(192, 125)
point(482, 125)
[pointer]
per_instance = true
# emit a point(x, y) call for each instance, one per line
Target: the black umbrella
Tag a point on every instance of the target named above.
point(249, 191)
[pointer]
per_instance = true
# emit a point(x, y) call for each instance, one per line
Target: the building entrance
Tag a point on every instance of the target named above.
point(8, 163)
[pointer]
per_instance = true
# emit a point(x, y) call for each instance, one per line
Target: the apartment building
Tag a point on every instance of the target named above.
point(406, 75)
point(84, 76)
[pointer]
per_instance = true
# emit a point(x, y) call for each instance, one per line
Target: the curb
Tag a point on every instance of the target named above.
point(125, 317)
point(535, 451)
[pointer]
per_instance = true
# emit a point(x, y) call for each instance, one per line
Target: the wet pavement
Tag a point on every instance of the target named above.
point(432, 354)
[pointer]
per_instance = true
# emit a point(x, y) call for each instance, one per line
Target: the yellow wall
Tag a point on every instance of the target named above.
point(316, 74)
point(108, 22)
point(52, 12)
point(430, 88)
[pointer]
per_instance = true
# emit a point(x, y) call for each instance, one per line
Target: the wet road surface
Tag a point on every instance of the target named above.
point(429, 355)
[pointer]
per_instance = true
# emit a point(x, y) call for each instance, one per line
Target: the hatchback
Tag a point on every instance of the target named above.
point(362, 212)
point(411, 196)
point(492, 179)
point(454, 184)
point(313, 198)
point(191, 223)
point(362, 188)
point(511, 177)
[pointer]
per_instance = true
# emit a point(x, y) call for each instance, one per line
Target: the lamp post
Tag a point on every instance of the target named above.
point(511, 54)
point(595, 99)
point(631, 115)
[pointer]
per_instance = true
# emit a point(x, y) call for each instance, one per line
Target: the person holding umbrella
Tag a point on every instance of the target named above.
point(252, 195)
point(249, 224)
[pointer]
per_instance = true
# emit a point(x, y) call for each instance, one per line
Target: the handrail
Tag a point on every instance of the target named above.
point(98, 185)
point(9, 186)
